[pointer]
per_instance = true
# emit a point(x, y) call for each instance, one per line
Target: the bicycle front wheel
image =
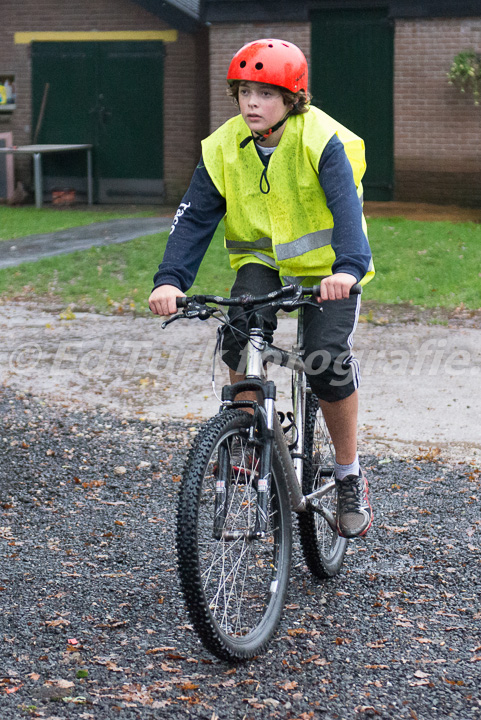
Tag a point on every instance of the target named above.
point(323, 548)
point(234, 584)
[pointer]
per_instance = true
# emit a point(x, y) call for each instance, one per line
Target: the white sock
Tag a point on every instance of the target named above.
point(342, 470)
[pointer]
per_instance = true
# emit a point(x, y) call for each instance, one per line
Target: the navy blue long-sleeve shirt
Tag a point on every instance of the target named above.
point(203, 207)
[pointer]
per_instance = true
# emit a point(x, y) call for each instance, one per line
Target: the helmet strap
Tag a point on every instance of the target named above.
point(260, 137)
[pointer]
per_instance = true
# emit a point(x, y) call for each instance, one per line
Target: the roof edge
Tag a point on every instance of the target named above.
point(178, 17)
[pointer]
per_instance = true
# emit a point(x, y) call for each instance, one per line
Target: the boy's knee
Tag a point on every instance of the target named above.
point(332, 378)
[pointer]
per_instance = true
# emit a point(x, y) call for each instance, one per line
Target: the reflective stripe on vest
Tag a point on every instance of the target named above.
point(244, 247)
point(304, 244)
point(264, 259)
point(263, 243)
point(294, 279)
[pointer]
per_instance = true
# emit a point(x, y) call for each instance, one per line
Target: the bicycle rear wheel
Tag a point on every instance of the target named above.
point(323, 548)
point(234, 586)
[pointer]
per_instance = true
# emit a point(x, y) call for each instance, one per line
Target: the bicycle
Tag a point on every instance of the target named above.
point(244, 475)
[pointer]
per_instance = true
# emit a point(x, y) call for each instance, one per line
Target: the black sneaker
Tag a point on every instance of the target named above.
point(354, 513)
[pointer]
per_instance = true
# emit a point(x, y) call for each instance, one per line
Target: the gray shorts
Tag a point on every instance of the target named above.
point(332, 370)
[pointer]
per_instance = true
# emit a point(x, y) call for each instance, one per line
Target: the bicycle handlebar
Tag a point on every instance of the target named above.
point(288, 293)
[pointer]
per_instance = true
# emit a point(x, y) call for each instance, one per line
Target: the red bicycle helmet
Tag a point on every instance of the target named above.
point(274, 62)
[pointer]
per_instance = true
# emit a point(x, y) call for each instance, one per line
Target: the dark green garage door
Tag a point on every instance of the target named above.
point(352, 80)
point(108, 94)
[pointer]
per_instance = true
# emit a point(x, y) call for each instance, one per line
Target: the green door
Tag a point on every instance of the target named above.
point(352, 80)
point(108, 94)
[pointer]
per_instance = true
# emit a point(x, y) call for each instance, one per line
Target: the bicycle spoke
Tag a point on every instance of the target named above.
point(233, 567)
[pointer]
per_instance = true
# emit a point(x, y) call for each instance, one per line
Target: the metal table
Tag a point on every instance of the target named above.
point(37, 150)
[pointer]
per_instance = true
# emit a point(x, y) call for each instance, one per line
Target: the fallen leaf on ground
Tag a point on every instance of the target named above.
point(58, 622)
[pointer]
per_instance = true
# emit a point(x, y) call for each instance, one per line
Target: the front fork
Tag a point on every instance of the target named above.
point(264, 420)
point(299, 394)
point(299, 391)
point(263, 424)
point(221, 490)
point(265, 470)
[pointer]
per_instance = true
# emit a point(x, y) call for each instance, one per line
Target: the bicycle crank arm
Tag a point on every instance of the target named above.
point(321, 492)
point(326, 514)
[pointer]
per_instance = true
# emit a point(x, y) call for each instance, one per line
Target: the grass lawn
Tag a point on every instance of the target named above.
point(113, 278)
point(424, 263)
point(19, 222)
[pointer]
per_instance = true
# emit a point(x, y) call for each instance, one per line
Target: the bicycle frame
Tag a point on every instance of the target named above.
point(242, 480)
point(259, 353)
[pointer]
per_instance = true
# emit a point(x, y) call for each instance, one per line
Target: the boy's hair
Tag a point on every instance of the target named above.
point(300, 99)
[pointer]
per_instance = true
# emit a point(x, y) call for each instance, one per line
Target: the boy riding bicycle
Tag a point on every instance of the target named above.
point(286, 177)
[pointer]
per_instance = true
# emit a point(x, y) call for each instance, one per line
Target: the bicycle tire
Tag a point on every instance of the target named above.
point(322, 547)
point(234, 591)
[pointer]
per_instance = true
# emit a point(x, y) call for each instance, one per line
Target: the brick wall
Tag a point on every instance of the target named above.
point(182, 81)
point(225, 40)
point(186, 109)
point(437, 128)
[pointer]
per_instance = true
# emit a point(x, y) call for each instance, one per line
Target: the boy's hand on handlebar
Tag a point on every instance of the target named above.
point(162, 299)
point(337, 286)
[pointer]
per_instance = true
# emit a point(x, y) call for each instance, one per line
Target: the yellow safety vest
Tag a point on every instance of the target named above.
point(290, 227)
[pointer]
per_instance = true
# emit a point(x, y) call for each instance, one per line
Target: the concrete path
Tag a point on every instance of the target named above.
point(420, 384)
point(35, 247)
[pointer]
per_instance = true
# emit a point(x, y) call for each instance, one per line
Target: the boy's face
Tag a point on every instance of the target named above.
point(261, 106)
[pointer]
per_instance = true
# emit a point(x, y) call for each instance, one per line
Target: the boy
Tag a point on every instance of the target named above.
point(287, 180)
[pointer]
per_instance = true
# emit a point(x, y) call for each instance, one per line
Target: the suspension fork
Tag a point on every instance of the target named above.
point(262, 422)
point(299, 391)
point(221, 490)
point(265, 419)
point(270, 423)
point(263, 416)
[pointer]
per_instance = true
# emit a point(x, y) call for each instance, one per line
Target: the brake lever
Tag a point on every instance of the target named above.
point(193, 310)
point(173, 318)
point(295, 299)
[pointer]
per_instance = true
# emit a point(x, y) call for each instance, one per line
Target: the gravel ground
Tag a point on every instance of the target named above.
point(93, 625)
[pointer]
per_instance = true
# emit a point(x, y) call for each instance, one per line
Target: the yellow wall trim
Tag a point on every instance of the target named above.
point(25, 38)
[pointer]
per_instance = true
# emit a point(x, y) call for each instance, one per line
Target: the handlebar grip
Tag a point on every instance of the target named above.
point(355, 290)
point(181, 302)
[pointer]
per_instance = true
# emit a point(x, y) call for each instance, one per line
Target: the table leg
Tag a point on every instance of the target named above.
point(90, 191)
point(37, 170)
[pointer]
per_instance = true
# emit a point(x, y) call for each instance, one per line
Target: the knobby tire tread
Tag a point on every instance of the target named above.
point(188, 547)
point(320, 564)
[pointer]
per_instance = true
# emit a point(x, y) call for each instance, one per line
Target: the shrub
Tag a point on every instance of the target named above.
point(465, 73)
